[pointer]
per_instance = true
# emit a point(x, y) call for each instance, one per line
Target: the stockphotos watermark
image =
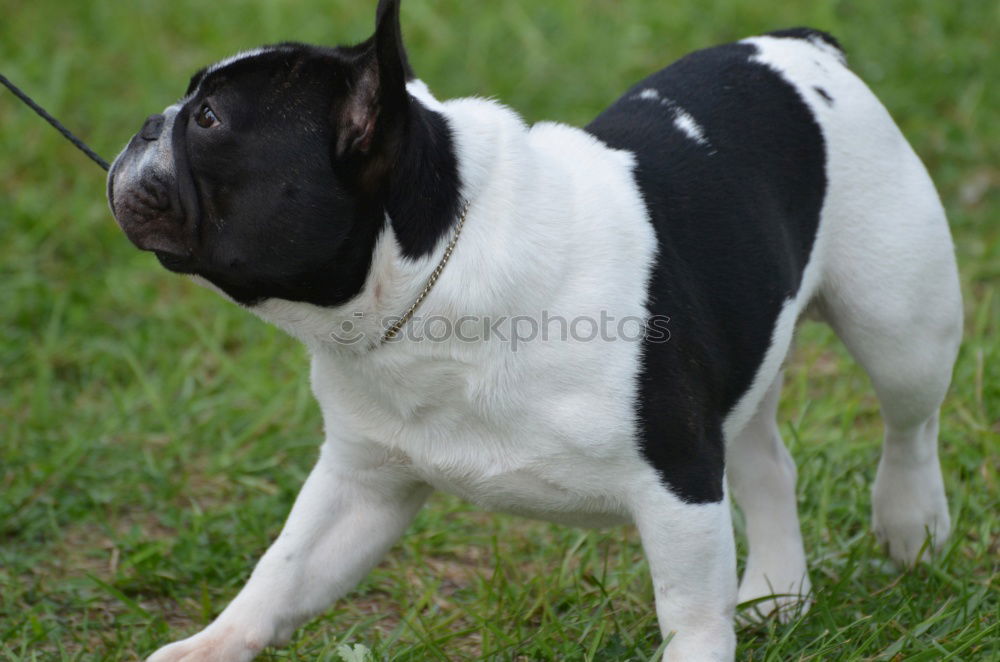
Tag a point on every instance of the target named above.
point(512, 330)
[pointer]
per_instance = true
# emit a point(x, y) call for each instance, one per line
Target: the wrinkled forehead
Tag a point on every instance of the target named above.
point(264, 58)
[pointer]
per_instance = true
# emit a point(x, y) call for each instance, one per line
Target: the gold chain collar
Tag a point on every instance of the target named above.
point(393, 330)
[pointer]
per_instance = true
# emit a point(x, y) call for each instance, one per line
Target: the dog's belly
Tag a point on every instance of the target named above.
point(580, 481)
point(526, 493)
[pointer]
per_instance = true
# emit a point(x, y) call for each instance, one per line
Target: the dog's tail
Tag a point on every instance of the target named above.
point(821, 40)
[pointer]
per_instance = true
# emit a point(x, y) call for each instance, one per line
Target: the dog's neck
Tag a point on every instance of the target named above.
point(495, 268)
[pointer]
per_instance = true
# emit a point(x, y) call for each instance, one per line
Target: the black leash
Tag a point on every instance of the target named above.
point(82, 146)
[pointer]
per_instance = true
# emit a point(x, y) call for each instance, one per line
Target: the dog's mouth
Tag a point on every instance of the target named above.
point(147, 214)
point(147, 223)
point(151, 193)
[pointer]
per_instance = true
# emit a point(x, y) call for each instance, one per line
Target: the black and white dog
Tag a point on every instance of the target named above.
point(328, 191)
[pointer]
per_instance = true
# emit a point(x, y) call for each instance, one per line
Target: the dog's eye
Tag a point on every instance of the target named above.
point(205, 117)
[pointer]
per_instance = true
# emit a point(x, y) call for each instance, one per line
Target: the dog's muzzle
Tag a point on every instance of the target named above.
point(143, 191)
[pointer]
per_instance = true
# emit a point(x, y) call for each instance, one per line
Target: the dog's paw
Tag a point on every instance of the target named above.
point(213, 645)
point(910, 512)
point(708, 645)
point(759, 601)
point(913, 538)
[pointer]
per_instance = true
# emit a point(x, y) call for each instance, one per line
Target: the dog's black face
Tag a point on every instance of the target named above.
point(269, 177)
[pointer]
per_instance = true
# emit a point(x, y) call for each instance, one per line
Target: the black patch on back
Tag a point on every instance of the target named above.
point(735, 220)
point(807, 34)
point(823, 93)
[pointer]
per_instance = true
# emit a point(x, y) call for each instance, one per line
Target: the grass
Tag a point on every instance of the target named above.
point(153, 437)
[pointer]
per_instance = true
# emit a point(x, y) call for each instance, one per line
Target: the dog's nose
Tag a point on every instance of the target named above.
point(152, 128)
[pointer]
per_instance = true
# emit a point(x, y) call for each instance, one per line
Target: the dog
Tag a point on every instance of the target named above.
point(703, 213)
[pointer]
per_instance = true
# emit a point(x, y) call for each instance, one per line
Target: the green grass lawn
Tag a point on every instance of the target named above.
point(152, 436)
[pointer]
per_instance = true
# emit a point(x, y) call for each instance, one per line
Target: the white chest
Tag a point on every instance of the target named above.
point(514, 434)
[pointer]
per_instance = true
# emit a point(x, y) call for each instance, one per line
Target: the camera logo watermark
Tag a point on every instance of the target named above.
point(515, 330)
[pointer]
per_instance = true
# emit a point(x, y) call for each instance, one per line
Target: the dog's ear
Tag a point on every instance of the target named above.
point(371, 118)
point(387, 24)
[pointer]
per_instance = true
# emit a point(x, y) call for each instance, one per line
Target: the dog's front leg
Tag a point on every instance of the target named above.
point(692, 559)
point(352, 508)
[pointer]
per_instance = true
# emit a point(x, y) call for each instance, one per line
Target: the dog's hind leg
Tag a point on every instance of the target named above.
point(761, 475)
point(891, 293)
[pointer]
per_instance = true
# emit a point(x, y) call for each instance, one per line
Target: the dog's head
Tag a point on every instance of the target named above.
point(269, 178)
